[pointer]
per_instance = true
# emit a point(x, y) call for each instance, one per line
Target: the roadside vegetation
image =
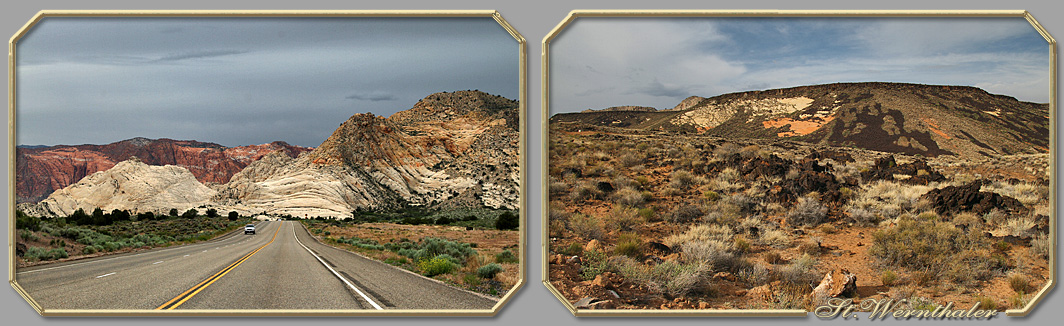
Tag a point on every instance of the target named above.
point(42, 240)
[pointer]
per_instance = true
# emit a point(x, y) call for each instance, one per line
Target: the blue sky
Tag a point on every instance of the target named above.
point(241, 81)
point(603, 62)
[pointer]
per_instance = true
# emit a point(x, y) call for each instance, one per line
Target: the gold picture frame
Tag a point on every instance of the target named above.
point(522, 154)
point(545, 138)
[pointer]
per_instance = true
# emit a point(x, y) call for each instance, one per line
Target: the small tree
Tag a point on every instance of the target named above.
point(233, 215)
point(507, 221)
point(173, 212)
point(212, 212)
point(190, 213)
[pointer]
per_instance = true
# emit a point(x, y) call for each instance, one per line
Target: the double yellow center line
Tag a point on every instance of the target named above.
point(184, 296)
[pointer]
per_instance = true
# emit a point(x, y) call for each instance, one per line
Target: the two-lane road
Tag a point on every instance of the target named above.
point(281, 267)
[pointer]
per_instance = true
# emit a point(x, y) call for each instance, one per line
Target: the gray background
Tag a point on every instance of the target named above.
point(533, 305)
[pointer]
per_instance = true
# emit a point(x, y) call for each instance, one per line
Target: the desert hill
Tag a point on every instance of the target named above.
point(44, 169)
point(929, 120)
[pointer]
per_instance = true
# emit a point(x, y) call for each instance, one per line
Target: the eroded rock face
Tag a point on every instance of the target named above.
point(42, 170)
point(130, 185)
point(838, 282)
point(450, 150)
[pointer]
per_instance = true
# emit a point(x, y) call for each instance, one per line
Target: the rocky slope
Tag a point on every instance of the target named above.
point(449, 150)
point(42, 170)
point(129, 185)
point(892, 117)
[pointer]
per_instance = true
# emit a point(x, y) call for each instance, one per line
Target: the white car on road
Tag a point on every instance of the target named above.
point(250, 228)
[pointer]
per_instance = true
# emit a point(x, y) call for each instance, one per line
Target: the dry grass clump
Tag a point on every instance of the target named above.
point(669, 277)
point(713, 254)
point(775, 238)
point(1027, 193)
point(586, 226)
point(1018, 282)
point(801, 271)
point(701, 232)
point(808, 211)
point(773, 257)
point(1017, 226)
point(629, 244)
point(885, 200)
point(585, 190)
point(810, 247)
point(686, 213)
point(888, 278)
point(622, 218)
point(631, 158)
point(683, 179)
point(629, 197)
point(1040, 245)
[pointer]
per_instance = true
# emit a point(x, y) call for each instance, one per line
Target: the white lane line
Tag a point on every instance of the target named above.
point(106, 275)
point(364, 296)
point(157, 262)
point(185, 256)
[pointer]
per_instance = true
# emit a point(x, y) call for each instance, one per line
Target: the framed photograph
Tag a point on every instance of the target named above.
point(266, 162)
point(869, 164)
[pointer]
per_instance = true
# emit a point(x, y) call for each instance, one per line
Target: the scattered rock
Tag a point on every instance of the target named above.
point(601, 280)
point(838, 282)
point(583, 303)
point(573, 260)
point(605, 304)
point(953, 199)
point(605, 187)
point(659, 247)
point(592, 245)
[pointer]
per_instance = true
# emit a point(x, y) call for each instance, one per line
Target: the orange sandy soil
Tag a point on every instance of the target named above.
point(488, 244)
point(798, 127)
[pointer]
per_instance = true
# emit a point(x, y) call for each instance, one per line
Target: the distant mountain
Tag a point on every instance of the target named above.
point(41, 170)
point(929, 120)
point(455, 149)
point(129, 185)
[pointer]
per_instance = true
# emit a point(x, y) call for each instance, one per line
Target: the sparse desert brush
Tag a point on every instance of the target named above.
point(907, 291)
point(723, 213)
point(629, 197)
point(593, 263)
point(725, 150)
point(1018, 300)
point(642, 181)
point(669, 277)
point(986, 303)
point(773, 257)
point(622, 218)
point(1018, 282)
point(1040, 245)
point(711, 196)
point(631, 158)
point(810, 247)
point(888, 278)
point(741, 244)
point(700, 233)
point(584, 191)
point(755, 274)
point(558, 187)
point(686, 213)
point(727, 181)
point(751, 223)
point(713, 254)
point(791, 296)
point(683, 179)
point(995, 217)
point(968, 220)
point(808, 211)
point(887, 199)
point(928, 216)
point(775, 238)
point(628, 244)
point(586, 226)
point(621, 182)
point(599, 169)
point(792, 173)
point(828, 229)
point(647, 214)
point(1027, 193)
point(1017, 226)
point(935, 246)
point(801, 271)
point(600, 156)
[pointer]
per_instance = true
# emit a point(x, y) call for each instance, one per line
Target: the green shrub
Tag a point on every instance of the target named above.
point(27, 235)
point(488, 271)
point(507, 221)
point(888, 278)
point(26, 222)
point(506, 256)
point(628, 244)
point(430, 248)
point(88, 250)
point(436, 266)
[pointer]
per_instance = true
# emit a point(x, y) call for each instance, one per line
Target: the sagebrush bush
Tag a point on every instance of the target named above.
point(586, 226)
point(506, 256)
point(436, 266)
point(711, 254)
point(669, 277)
point(775, 238)
point(773, 257)
point(585, 191)
point(686, 213)
point(801, 271)
point(26, 235)
point(431, 248)
point(629, 197)
point(1040, 245)
point(489, 271)
point(934, 246)
point(622, 218)
point(682, 179)
point(888, 278)
point(701, 232)
point(631, 158)
point(808, 211)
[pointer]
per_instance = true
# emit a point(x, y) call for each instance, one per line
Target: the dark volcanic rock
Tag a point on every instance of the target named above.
point(885, 168)
point(953, 199)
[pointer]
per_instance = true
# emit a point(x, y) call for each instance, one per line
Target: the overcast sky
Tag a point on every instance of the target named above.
point(603, 62)
point(241, 81)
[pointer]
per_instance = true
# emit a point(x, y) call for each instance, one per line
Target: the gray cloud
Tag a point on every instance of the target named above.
point(372, 96)
point(239, 81)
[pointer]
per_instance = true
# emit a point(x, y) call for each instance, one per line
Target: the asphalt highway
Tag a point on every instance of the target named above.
point(280, 267)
